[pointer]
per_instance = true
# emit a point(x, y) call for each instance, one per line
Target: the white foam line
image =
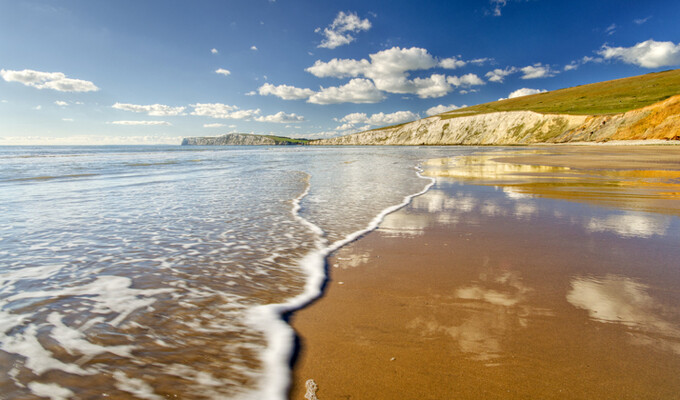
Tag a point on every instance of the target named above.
point(268, 318)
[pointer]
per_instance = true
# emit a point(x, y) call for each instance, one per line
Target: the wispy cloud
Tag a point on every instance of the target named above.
point(216, 125)
point(143, 123)
point(223, 71)
point(640, 21)
point(48, 80)
point(610, 30)
point(340, 31)
point(154, 110)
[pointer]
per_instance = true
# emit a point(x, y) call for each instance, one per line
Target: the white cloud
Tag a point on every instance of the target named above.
point(253, 47)
point(154, 110)
point(67, 119)
point(640, 21)
point(222, 111)
point(48, 80)
point(442, 108)
point(216, 125)
point(356, 91)
point(525, 92)
point(647, 54)
point(285, 92)
point(214, 51)
point(61, 103)
point(339, 68)
point(223, 71)
point(610, 30)
point(140, 123)
point(378, 119)
point(497, 75)
point(585, 60)
point(389, 71)
point(281, 118)
point(452, 63)
point(465, 80)
point(340, 31)
point(537, 70)
point(38, 108)
point(497, 6)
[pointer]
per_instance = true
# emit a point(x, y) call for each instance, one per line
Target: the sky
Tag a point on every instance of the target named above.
point(153, 72)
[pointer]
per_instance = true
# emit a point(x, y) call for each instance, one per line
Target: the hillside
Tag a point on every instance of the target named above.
point(641, 107)
point(242, 139)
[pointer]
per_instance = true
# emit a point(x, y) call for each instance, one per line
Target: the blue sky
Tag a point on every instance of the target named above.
point(106, 72)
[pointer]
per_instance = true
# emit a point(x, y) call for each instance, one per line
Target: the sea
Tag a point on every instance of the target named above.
point(157, 272)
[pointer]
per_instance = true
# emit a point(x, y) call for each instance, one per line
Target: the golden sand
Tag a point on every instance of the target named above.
point(496, 293)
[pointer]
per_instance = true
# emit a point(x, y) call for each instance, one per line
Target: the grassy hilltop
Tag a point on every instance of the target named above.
point(609, 97)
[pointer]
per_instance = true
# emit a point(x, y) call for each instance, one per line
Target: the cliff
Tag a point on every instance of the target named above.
point(634, 108)
point(657, 121)
point(241, 139)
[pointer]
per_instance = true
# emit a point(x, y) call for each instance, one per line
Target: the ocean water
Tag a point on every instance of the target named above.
point(164, 272)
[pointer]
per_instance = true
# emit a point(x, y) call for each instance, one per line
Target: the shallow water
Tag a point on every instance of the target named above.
point(139, 271)
point(486, 287)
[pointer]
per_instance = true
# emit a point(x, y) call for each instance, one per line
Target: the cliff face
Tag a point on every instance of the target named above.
point(235, 139)
point(658, 121)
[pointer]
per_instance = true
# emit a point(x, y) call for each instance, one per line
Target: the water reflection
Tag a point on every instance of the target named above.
point(630, 224)
point(625, 301)
point(495, 306)
point(604, 178)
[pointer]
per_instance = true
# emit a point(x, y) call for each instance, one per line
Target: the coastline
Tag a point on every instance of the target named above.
point(476, 289)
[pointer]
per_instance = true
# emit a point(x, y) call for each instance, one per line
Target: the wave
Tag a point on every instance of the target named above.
point(270, 318)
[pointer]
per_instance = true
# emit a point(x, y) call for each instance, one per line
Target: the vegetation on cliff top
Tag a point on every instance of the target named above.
point(609, 97)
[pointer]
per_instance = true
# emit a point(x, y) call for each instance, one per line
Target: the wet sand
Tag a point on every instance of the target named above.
point(488, 286)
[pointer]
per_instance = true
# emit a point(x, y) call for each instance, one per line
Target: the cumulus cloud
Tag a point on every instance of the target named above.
point(340, 31)
point(281, 118)
point(441, 109)
point(356, 91)
point(253, 47)
point(389, 71)
point(497, 75)
point(378, 119)
point(452, 63)
point(223, 71)
point(525, 92)
point(537, 70)
point(214, 51)
point(148, 123)
point(339, 68)
point(61, 103)
point(155, 110)
point(647, 54)
point(465, 80)
point(216, 125)
point(48, 80)
point(222, 111)
point(285, 92)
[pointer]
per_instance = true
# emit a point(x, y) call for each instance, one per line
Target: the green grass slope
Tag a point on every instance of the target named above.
point(609, 97)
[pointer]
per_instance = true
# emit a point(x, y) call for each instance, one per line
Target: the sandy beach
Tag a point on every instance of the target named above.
point(540, 273)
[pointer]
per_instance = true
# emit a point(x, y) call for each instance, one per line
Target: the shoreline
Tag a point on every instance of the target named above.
point(358, 328)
